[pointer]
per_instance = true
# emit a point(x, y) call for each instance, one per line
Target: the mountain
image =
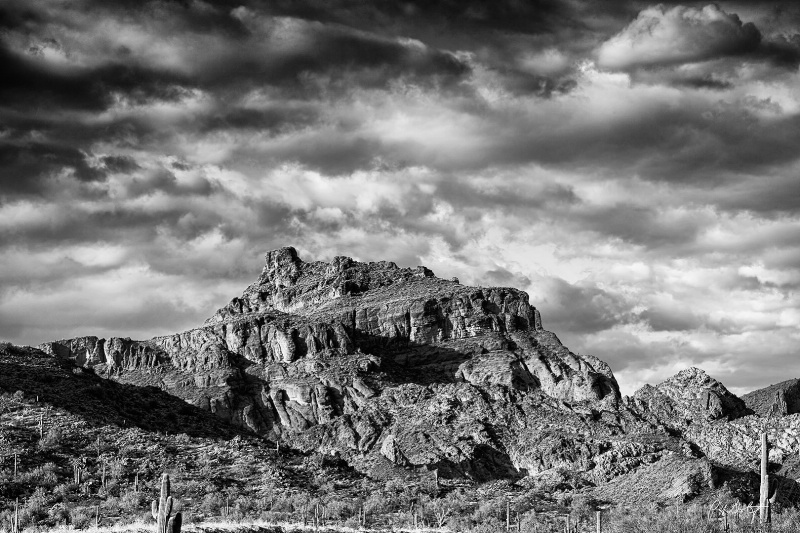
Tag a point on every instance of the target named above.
point(776, 400)
point(386, 366)
point(395, 370)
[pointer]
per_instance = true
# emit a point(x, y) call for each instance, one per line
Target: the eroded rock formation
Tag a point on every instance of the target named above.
point(394, 368)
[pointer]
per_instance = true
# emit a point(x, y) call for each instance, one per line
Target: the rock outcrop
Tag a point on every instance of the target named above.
point(117, 353)
point(394, 369)
point(673, 478)
point(387, 366)
point(691, 396)
point(778, 400)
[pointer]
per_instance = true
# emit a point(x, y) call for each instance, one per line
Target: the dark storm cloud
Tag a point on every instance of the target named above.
point(256, 51)
point(671, 319)
point(507, 196)
point(279, 117)
point(120, 163)
point(161, 180)
point(642, 225)
point(28, 167)
point(643, 194)
point(501, 277)
point(449, 18)
point(29, 84)
point(783, 50)
point(583, 309)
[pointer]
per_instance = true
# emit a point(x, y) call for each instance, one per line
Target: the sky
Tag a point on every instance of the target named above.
point(632, 166)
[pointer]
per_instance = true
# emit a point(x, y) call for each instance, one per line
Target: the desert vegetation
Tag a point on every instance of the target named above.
point(59, 471)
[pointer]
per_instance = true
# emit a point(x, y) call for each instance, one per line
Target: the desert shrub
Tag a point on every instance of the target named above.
point(395, 486)
point(6, 518)
point(58, 514)
point(564, 499)
point(63, 490)
point(81, 517)
point(489, 525)
point(51, 439)
point(35, 508)
point(460, 522)
point(377, 503)
point(428, 485)
point(128, 450)
point(322, 484)
point(297, 502)
point(788, 520)
point(116, 468)
point(38, 498)
point(583, 508)
point(243, 506)
point(213, 504)
point(112, 487)
point(112, 506)
point(529, 521)
point(41, 476)
point(339, 509)
point(489, 508)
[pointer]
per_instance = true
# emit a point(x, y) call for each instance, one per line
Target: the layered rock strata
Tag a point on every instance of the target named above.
point(395, 369)
point(379, 363)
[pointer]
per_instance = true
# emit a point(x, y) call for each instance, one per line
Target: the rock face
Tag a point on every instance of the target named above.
point(393, 368)
point(379, 307)
point(386, 366)
point(114, 352)
point(776, 400)
point(688, 397)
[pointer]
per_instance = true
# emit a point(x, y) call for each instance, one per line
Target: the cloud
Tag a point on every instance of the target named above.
point(153, 150)
point(29, 166)
point(662, 36)
point(29, 82)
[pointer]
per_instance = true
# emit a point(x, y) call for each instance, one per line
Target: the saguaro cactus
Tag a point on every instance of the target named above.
point(764, 493)
point(162, 510)
point(15, 519)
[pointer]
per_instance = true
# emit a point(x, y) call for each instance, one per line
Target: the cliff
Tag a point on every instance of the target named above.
point(388, 366)
point(392, 369)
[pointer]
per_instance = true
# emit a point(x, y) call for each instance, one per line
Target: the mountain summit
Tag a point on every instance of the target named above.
point(395, 370)
point(372, 361)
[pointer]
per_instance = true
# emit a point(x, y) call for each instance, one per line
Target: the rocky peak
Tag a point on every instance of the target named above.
point(281, 267)
point(291, 285)
point(408, 315)
point(776, 400)
point(369, 359)
point(689, 396)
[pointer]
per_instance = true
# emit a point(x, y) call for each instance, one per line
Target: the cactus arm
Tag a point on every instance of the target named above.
point(175, 522)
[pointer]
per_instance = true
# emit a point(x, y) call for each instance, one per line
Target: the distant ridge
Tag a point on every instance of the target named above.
point(777, 400)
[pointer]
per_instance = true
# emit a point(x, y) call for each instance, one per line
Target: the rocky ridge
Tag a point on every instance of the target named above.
point(778, 400)
point(394, 369)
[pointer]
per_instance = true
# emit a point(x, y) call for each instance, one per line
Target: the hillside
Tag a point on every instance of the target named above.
point(775, 400)
point(56, 417)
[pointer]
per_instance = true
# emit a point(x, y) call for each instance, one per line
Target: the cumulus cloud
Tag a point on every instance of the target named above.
point(667, 36)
